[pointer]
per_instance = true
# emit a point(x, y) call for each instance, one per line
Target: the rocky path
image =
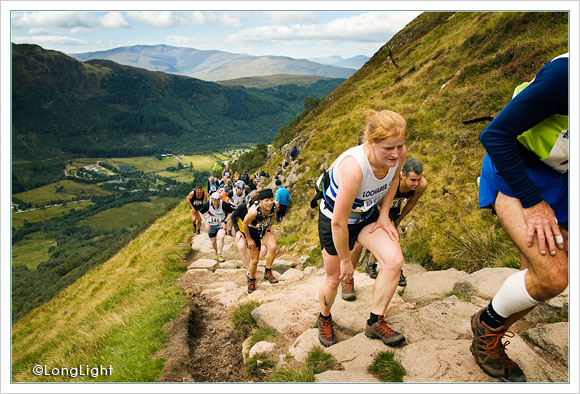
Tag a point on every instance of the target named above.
point(435, 321)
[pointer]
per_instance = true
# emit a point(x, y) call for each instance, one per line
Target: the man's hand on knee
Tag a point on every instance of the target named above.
point(542, 221)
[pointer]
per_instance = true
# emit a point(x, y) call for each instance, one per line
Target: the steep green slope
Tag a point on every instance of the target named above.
point(99, 108)
point(449, 67)
point(113, 315)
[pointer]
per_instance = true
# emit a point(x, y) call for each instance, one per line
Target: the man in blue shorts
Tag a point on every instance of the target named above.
point(524, 179)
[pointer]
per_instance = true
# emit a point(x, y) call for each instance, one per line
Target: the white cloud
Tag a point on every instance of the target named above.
point(37, 30)
point(156, 19)
point(289, 17)
point(167, 19)
point(367, 27)
point(68, 19)
point(79, 30)
point(48, 40)
point(113, 20)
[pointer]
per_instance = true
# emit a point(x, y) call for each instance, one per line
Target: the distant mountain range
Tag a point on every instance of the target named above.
point(355, 62)
point(218, 65)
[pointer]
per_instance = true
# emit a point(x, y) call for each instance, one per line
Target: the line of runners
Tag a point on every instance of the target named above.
point(371, 187)
point(245, 213)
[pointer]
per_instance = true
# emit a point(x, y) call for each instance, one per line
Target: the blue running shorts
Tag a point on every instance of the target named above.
point(553, 185)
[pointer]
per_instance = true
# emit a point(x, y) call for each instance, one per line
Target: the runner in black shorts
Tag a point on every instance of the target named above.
point(195, 200)
point(240, 239)
point(361, 185)
point(255, 227)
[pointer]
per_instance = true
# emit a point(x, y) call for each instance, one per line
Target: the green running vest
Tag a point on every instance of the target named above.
point(548, 139)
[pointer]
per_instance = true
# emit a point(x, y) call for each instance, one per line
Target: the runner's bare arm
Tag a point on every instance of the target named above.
point(412, 201)
point(349, 176)
point(249, 218)
point(188, 199)
point(384, 222)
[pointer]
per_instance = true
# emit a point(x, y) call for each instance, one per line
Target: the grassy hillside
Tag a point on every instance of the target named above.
point(450, 67)
point(114, 314)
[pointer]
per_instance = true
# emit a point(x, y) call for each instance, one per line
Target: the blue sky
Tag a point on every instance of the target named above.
point(298, 34)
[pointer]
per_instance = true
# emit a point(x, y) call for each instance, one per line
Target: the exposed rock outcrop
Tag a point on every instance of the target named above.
point(433, 312)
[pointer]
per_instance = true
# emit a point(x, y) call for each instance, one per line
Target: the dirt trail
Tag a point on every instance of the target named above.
point(203, 345)
point(215, 348)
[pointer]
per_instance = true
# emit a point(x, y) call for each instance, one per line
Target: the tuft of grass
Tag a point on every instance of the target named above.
point(261, 334)
point(288, 240)
point(317, 361)
point(386, 368)
point(461, 296)
point(510, 261)
point(259, 365)
point(475, 247)
point(242, 317)
point(289, 374)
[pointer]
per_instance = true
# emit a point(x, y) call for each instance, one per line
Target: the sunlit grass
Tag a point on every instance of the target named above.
point(113, 315)
point(129, 215)
point(242, 317)
point(70, 190)
point(261, 334)
point(386, 368)
point(317, 361)
point(32, 250)
point(40, 215)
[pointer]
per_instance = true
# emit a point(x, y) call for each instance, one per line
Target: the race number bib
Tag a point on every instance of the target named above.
point(213, 220)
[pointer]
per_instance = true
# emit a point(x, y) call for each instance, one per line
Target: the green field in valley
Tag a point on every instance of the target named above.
point(151, 163)
point(179, 176)
point(129, 215)
point(39, 215)
point(70, 190)
point(32, 250)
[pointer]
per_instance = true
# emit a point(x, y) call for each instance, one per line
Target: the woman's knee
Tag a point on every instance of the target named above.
point(332, 280)
point(394, 263)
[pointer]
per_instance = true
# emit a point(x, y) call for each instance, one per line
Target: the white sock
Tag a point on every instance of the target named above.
point(512, 296)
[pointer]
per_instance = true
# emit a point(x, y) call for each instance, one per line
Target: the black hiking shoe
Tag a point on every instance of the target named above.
point(251, 285)
point(489, 352)
point(347, 289)
point(402, 280)
point(325, 331)
point(380, 330)
point(269, 276)
point(371, 268)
